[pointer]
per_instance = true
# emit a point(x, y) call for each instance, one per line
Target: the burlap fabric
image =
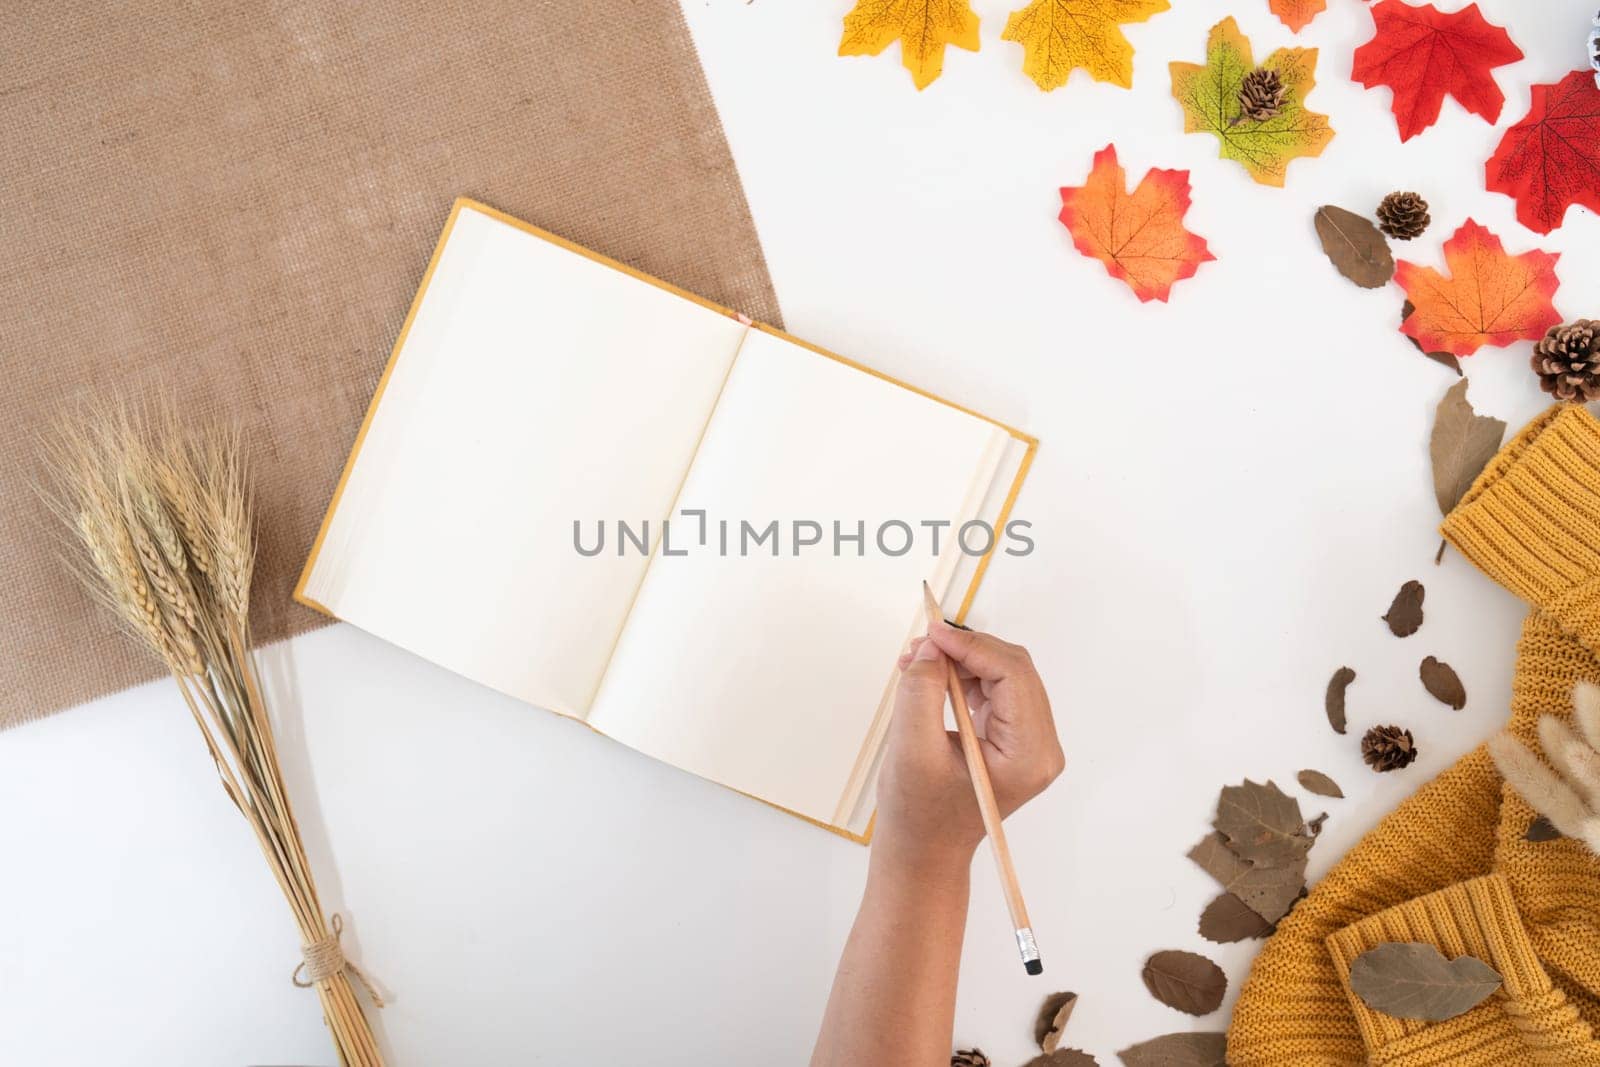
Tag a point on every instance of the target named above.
point(234, 204)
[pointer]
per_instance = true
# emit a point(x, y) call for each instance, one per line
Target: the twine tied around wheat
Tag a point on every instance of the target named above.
point(324, 958)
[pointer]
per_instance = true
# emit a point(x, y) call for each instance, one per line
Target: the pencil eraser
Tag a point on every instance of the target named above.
point(1035, 966)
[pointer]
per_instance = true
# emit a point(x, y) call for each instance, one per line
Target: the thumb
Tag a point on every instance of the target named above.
point(919, 698)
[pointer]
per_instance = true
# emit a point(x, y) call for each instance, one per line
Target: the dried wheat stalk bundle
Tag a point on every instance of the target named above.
point(163, 520)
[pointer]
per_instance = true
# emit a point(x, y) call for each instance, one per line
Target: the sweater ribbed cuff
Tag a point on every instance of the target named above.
point(1531, 520)
point(1474, 918)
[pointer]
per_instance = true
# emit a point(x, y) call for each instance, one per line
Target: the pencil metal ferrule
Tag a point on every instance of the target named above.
point(1027, 946)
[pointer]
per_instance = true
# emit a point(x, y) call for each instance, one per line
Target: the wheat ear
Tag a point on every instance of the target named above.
point(164, 525)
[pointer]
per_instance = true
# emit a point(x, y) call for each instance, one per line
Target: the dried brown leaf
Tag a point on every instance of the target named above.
point(1319, 783)
point(1053, 1016)
point(1268, 891)
point(1334, 701)
point(1405, 612)
point(1541, 829)
point(1063, 1057)
point(1413, 980)
point(1178, 1050)
point(1441, 681)
point(1463, 442)
point(1228, 919)
point(1354, 246)
point(1186, 981)
point(1448, 359)
point(1262, 824)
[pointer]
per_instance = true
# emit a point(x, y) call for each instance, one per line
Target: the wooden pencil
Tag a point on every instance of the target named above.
point(987, 805)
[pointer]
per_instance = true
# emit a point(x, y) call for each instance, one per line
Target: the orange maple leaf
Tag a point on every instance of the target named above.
point(1297, 14)
point(1490, 298)
point(1139, 236)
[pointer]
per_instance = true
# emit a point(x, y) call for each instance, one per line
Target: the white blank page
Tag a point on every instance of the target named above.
point(766, 673)
point(535, 387)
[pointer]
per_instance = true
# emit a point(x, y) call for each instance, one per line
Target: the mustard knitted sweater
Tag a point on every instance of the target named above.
point(1451, 866)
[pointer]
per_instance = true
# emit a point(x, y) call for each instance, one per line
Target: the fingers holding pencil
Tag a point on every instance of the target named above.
point(1018, 720)
point(927, 784)
point(1010, 709)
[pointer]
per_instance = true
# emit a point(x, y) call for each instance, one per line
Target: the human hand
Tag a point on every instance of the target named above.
point(927, 813)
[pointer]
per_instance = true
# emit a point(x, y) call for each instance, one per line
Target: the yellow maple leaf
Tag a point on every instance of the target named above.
point(1059, 36)
point(1210, 98)
point(923, 28)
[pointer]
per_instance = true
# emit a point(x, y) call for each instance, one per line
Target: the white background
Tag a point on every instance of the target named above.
point(1230, 489)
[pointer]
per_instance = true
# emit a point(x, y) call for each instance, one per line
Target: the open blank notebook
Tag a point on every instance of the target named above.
point(542, 400)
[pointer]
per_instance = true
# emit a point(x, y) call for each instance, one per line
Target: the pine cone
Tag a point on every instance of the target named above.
point(1403, 216)
point(1388, 748)
point(1567, 361)
point(1261, 95)
point(969, 1057)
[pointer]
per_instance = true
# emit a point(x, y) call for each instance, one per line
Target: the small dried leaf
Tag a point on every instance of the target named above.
point(1462, 444)
point(1178, 1050)
point(1053, 1016)
point(1268, 891)
point(1319, 783)
point(1446, 358)
point(1334, 701)
point(1262, 823)
point(1413, 980)
point(1541, 829)
point(1186, 981)
point(1228, 919)
point(1063, 1057)
point(1441, 681)
point(1405, 613)
point(1354, 246)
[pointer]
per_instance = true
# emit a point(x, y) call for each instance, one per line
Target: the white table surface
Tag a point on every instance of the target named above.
point(1230, 489)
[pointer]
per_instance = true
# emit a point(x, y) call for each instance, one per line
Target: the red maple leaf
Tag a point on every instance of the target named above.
point(1551, 159)
point(1139, 236)
point(1490, 298)
point(1423, 54)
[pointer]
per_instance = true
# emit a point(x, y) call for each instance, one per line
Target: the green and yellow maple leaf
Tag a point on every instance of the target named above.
point(1210, 98)
point(1059, 36)
point(923, 28)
